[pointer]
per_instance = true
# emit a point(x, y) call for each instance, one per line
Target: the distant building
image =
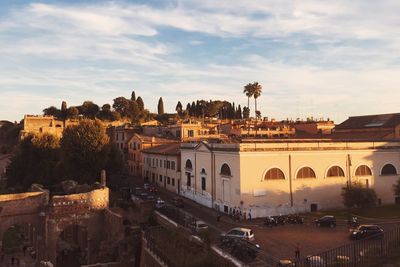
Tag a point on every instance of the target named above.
point(120, 136)
point(314, 127)
point(135, 145)
point(38, 124)
point(381, 126)
point(260, 129)
point(162, 166)
point(270, 177)
point(185, 131)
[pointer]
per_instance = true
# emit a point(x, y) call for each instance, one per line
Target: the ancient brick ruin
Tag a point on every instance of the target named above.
point(46, 219)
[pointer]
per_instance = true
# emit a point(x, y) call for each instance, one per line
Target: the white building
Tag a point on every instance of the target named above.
point(286, 176)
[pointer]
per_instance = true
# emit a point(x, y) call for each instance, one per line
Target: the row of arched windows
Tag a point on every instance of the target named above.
point(335, 171)
point(307, 172)
point(225, 169)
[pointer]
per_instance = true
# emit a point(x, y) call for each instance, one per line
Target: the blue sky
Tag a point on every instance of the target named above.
point(314, 58)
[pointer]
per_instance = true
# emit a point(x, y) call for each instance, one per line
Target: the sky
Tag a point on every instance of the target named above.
point(330, 59)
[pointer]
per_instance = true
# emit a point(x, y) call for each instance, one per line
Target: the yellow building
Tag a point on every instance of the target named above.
point(134, 147)
point(162, 166)
point(286, 176)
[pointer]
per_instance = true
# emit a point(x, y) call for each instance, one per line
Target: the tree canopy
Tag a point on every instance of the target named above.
point(84, 149)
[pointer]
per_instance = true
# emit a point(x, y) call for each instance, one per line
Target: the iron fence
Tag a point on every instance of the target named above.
point(356, 254)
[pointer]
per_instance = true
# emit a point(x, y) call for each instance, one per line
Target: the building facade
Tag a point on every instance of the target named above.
point(136, 144)
point(286, 176)
point(161, 166)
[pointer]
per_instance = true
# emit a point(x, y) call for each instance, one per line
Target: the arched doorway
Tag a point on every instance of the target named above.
point(72, 247)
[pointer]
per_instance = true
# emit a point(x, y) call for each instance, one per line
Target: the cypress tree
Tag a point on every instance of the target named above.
point(140, 103)
point(133, 96)
point(160, 106)
point(178, 107)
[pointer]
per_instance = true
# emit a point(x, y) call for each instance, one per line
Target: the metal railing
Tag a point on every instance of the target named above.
point(357, 254)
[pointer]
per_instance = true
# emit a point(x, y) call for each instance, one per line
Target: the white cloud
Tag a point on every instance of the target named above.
point(100, 51)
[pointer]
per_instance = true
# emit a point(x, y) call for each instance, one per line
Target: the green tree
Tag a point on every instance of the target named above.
point(105, 113)
point(122, 105)
point(178, 108)
point(133, 96)
point(358, 196)
point(52, 111)
point(85, 150)
point(246, 113)
point(239, 112)
point(257, 90)
point(35, 162)
point(133, 110)
point(64, 111)
point(72, 113)
point(140, 103)
point(248, 91)
point(160, 106)
point(89, 109)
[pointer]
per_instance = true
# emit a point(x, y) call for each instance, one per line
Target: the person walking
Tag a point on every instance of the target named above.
point(218, 216)
point(297, 251)
point(249, 215)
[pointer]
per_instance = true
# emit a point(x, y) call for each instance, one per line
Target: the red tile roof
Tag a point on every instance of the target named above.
point(166, 149)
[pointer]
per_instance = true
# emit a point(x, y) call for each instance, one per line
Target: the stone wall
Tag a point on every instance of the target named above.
point(114, 225)
point(79, 203)
point(24, 203)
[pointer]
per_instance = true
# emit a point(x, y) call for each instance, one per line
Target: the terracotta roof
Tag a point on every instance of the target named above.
point(150, 138)
point(370, 121)
point(166, 149)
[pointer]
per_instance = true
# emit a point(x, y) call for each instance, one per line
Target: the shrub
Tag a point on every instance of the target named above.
point(358, 196)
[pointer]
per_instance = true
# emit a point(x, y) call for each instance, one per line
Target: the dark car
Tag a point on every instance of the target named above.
point(326, 221)
point(178, 202)
point(364, 231)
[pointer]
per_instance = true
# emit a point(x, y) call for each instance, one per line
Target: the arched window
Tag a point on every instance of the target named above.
point(274, 174)
point(203, 171)
point(389, 169)
point(305, 172)
point(225, 170)
point(363, 170)
point(188, 165)
point(335, 171)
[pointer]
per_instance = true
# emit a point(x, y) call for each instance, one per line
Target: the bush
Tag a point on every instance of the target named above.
point(358, 196)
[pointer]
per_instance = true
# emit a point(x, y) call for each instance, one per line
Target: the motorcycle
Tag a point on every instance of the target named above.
point(353, 222)
point(270, 221)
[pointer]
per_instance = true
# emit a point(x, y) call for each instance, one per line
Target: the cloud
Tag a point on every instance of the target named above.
point(334, 58)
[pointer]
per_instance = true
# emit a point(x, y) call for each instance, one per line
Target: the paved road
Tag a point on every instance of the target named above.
point(279, 242)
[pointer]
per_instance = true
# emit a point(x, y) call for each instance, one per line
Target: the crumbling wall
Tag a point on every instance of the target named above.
point(97, 199)
point(23, 203)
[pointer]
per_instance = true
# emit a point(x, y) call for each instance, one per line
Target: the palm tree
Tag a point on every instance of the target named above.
point(256, 89)
point(248, 91)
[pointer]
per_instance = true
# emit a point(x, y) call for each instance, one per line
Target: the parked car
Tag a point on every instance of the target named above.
point(326, 221)
point(198, 226)
point(178, 202)
point(315, 261)
point(152, 189)
point(364, 231)
point(286, 263)
point(243, 233)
